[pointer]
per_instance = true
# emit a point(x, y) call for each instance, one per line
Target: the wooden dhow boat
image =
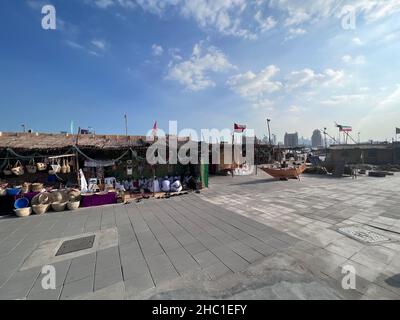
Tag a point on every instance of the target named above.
point(293, 172)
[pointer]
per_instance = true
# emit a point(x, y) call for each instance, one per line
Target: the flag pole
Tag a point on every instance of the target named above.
point(233, 151)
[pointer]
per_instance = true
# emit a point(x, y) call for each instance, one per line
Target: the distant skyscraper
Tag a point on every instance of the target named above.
point(291, 140)
point(273, 139)
point(316, 139)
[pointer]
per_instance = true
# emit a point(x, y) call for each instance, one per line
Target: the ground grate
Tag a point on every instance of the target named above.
point(75, 245)
point(363, 235)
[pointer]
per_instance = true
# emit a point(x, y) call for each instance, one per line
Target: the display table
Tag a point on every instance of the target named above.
point(7, 202)
point(99, 200)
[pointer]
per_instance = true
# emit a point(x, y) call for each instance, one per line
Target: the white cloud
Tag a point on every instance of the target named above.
point(99, 44)
point(382, 119)
point(253, 86)
point(224, 16)
point(193, 73)
point(344, 99)
point(74, 44)
point(299, 12)
point(309, 78)
point(157, 50)
point(295, 109)
point(265, 24)
point(264, 104)
point(294, 33)
point(104, 3)
point(357, 41)
point(355, 61)
point(311, 11)
point(377, 9)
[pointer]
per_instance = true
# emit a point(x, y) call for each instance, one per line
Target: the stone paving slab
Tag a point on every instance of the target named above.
point(280, 239)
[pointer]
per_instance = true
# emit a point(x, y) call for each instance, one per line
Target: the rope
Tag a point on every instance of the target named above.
point(114, 160)
point(35, 155)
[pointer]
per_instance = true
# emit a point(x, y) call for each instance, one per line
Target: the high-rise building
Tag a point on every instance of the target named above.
point(316, 139)
point(273, 139)
point(291, 140)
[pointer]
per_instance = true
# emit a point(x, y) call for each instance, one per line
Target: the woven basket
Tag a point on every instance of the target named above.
point(18, 169)
point(41, 198)
point(73, 205)
point(74, 195)
point(64, 168)
point(40, 208)
point(26, 187)
point(37, 187)
point(56, 168)
point(7, 171)
point(58, 206)
point(23, 212)
point(41, 166)
point(31, 167)
point(59, 196)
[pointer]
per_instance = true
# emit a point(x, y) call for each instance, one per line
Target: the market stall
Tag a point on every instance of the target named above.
point(101, 169)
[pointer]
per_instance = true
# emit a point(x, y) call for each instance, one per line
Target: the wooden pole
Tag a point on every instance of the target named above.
point(154, 176)
point(233, 152)
point(126, 126)
point(77, 159)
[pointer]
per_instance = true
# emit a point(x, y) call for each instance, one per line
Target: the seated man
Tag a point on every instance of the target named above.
point(154, 185)
point(176, 186)
point(166, 185)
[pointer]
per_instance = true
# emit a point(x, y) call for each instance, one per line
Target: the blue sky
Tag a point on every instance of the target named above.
point(206, 64)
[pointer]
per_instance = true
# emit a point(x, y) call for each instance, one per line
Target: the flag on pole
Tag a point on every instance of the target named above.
point(397, 130)
point(155, 128)
point(239, 128)
point(344, 128)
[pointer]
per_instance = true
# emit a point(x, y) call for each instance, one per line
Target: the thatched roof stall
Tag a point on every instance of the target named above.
point(89, 147)
point(48, 143)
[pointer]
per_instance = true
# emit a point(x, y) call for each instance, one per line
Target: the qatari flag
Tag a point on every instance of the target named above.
point(344, 128)
point(239, 127)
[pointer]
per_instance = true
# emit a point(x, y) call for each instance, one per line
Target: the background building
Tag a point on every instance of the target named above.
point(291, 140)
point(316, 139)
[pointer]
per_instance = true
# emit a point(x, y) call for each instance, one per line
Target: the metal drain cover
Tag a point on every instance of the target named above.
point(363, 235)
point(75, 245)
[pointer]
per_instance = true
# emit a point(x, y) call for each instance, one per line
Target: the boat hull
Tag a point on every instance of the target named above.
point(285, 173)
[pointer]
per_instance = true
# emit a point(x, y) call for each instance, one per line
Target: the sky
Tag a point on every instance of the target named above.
point(206, 64)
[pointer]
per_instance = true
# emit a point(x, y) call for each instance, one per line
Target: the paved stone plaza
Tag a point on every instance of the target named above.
point(244, 238)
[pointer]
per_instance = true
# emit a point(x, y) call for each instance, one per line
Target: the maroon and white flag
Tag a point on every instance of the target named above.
point(239, 128)
point(155, 128)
